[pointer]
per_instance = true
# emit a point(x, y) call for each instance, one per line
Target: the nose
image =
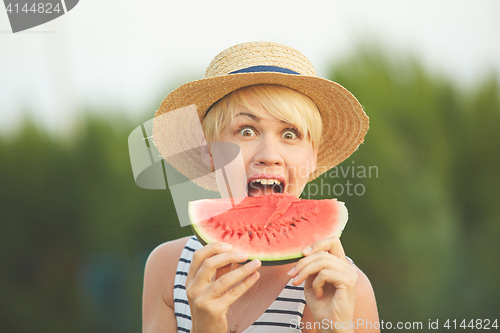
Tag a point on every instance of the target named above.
point(268, 152)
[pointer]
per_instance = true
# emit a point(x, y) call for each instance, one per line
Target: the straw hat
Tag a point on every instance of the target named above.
point(344, 121)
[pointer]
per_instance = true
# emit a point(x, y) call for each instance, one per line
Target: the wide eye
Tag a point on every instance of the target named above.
point(289, 134)
point(247, 131)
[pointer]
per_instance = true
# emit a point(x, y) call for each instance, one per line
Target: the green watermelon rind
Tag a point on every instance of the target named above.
point(271, 259)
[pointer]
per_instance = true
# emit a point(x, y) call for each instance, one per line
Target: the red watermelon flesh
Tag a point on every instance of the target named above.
point(274, 228)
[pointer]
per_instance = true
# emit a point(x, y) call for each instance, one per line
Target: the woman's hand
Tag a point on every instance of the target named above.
point(330, 286)
point(209, 300)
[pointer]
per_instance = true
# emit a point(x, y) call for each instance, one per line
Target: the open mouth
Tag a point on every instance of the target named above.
point(264, 186)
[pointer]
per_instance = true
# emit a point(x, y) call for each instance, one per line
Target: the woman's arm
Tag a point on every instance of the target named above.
point(365, 309)
point(159, 276)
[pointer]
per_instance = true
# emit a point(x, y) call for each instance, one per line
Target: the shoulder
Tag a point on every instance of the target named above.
point(364, 286)
point(167, 251)
point(159, 273)
point(159, 276)
point(366, 306)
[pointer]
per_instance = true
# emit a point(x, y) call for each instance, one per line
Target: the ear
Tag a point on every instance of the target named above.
point(206, 155)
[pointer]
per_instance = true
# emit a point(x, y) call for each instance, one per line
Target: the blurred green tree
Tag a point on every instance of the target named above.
point(76, 230)
point(425, 229)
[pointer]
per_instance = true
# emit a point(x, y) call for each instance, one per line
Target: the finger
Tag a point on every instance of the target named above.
point(304, 262)
point(331, 245)
point(203, 254)
point(314, 267)
point(229, 280)
point(235, 292)
point(337, 263)
point(205, 275)
point(340, 280)
point(210, 265)
point(224, 270)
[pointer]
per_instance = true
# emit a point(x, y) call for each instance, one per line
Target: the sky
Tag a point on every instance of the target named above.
point(122, 57)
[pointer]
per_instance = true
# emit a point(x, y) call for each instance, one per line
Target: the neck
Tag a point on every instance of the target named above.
point(263, 270)
point(271, 277)
point(279, 269)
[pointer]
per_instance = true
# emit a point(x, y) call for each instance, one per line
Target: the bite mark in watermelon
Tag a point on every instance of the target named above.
point(274, 228)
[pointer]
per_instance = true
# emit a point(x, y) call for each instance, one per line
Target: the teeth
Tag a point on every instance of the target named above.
point(265, 181)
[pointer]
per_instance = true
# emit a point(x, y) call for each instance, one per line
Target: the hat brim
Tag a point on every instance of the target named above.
point(344, 122)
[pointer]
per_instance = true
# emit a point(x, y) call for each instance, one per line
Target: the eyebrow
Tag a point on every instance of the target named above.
point(254, 117)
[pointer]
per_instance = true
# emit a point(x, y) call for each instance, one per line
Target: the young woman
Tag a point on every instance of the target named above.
point(290, 126)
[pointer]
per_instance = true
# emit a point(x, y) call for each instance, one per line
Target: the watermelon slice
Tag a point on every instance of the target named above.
point(274, 228)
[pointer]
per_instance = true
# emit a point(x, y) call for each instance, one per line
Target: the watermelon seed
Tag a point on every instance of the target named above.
point(267, 238)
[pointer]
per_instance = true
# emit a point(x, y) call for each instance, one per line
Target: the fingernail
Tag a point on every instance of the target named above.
point(226, 247)
point(307, 250)
point(290, 273)
point(253, 263)
point(242, 254)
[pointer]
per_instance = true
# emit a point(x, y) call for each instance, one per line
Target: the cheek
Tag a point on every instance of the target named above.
point(302, 166)
point(230, 172)
point(247, 167)
point(246, 153)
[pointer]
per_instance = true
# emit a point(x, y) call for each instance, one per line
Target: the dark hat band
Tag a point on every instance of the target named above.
point(256, 69)
point(260, 69)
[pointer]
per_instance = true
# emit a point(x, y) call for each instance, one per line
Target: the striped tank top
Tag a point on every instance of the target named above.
point(283, 316)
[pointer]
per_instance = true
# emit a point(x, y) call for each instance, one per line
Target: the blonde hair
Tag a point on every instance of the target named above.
point(283, 103)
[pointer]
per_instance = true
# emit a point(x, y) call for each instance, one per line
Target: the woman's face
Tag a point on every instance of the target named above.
point(277, 157)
